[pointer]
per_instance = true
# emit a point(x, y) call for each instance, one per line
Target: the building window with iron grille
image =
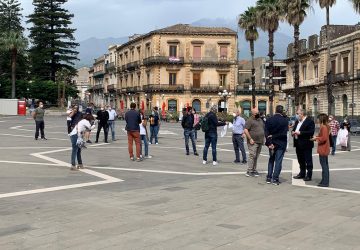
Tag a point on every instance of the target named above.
point(222, 80)
point(223, 52)
point(172, 78)
point(304, 72)
point(147, 51)
point(316, 71)
point(173, 51)
point(148, 78)
point(172, 105)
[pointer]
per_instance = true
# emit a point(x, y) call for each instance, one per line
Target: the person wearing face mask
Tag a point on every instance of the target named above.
point(38, 115)
point(254, 131)
point(188, 125)
point(111, 121)
point(103, 118)
point(238, 137)
point(303, 131)
point(334, 128)
point(346, 125)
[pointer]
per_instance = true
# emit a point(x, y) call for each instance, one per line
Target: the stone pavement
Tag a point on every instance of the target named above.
point(170, 201)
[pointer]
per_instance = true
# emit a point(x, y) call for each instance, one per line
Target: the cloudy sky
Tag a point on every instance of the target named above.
point(117, 18)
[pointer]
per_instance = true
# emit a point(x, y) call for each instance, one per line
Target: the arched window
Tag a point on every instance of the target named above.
point(262, 107)
point(172, 105)
point(246, 108)
point(345, 105)
point(315, 109)
point(196, 104)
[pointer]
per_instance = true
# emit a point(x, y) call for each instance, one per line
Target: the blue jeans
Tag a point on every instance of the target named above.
point(111, 125)
point(154, 130)
point(210, 138)
point(334, 137)
point(325, 170)
point(276, 157)
point(238, 143)
point(189, 133)
point(146, 145)
point(76, 151)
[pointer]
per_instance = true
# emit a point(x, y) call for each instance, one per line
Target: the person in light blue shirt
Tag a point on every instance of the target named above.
point(238, 137)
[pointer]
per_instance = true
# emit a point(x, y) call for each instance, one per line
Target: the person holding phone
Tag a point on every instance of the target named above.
point(323, 148)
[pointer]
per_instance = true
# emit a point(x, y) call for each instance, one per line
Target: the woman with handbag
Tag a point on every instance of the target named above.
point(323, 140)
point(77, 140)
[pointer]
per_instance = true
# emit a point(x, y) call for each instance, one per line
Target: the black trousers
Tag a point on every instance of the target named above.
point(105, 127)
point(305, 160)
point(40, 125)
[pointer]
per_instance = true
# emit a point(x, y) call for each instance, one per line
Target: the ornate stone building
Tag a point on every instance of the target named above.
point(345, 72)
point(244, 88)
point(170, 68)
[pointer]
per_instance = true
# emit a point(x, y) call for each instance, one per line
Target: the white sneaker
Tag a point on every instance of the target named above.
point(148, 157)
point(215, 163)
point(150, 143)
point(157, 143)
point(204, 162)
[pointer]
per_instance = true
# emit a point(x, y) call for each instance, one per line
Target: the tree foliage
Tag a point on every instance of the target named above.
point(53, 43)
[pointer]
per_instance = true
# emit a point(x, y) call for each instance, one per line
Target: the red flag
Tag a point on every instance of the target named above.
point(142, 105)
point(121, 105)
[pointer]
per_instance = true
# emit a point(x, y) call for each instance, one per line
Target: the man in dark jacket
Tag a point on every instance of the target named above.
point(302, 132)
point(187, 123)
point(102, 117)
point(211, 134)
point(276, 129)
point(133, 120)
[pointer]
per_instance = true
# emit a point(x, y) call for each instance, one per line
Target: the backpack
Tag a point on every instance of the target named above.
point(205, 124)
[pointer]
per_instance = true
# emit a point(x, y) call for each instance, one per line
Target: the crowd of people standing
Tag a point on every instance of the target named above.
point(257, 131)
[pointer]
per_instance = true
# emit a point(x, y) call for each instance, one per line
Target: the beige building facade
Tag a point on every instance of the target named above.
point(81, 81)
point(170, 68)
point(345, 72)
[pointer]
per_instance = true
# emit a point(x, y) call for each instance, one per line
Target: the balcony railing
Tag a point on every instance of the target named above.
point(163, 60)
point(134, 89)
point(98, 86)
point(163, 88)
point(339, 78)
point(132, 65)
point(111, 87)
point(110, 66)
point(99, 73)
point(245, 89)
point(209, 88)
point(212, 60)
point(309, 82)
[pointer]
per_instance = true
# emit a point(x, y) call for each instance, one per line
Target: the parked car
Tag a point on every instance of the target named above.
point(355, 126)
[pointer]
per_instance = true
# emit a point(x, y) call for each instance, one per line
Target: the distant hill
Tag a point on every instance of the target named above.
point(94, 47)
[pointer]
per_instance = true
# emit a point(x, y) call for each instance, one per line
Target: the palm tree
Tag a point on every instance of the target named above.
point(327, 4)
point(268, 15)
point(248, 22)
point(15, 43)
point(295, 13)
point(356, 4)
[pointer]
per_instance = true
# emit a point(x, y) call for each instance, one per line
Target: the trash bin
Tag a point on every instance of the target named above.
point(21, 108)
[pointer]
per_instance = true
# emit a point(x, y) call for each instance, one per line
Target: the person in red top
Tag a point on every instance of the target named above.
point(323, 148)
point(334, 128)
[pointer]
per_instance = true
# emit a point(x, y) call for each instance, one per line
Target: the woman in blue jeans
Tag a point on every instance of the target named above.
point(79, 131)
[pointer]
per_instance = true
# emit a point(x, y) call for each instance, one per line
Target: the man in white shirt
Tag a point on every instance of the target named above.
point(111, 121)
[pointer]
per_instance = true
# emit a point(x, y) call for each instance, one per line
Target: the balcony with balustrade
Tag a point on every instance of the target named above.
point(207, 88)
point(166, 88)
point(153, 60)
point(211, 61)
point(246, 89)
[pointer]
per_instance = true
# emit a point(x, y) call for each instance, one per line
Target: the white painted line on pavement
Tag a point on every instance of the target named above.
point(31, 130)
point(30, 147)
point(178, 173)
point(52, 189)
point(28, 136)
point(333, 189)
point(29, 163)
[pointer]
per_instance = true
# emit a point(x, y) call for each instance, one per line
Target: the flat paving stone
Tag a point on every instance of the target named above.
point(170, 201)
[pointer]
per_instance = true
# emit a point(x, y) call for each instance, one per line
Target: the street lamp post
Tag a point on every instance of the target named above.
point(225, 95)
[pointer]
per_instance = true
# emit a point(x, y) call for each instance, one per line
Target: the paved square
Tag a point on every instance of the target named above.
point(171, 201)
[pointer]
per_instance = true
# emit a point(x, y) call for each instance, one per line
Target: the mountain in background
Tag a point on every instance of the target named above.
point(92, 48)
